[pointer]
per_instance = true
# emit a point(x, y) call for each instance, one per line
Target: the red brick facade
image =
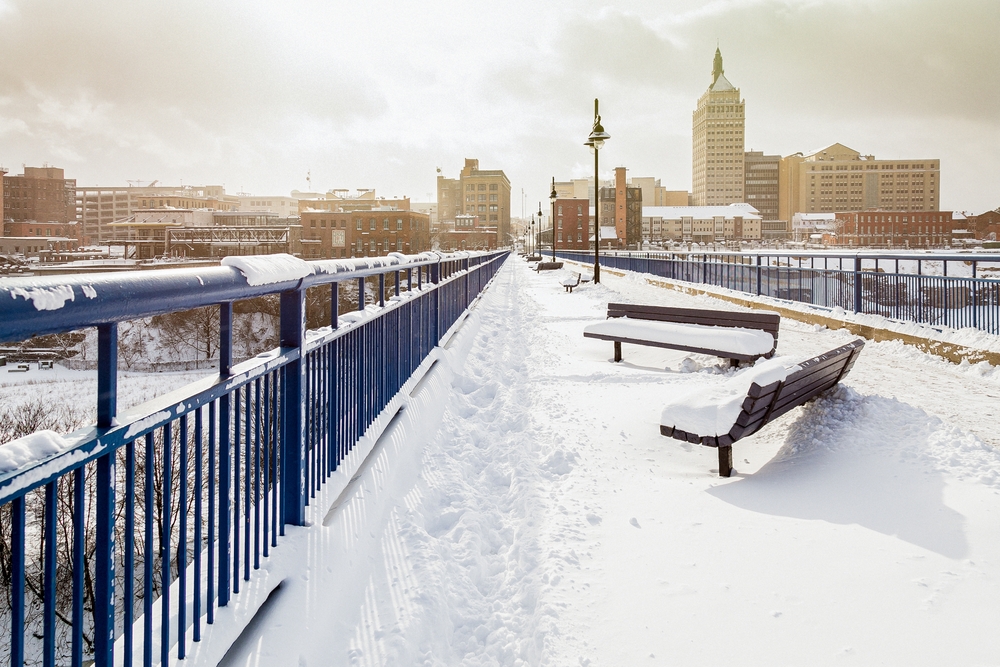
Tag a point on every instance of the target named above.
point(986, 226)
point(40, 193)
point(332, 235)
point(573, 228)
point(895, 229)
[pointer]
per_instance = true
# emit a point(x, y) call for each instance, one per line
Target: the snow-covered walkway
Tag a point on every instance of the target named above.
point(525, 510)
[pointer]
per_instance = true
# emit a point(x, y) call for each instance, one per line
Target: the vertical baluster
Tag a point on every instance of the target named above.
point(128, 555)
point(211, 536)
point(165, 561)
point(17, 548)
point(256, 476)
point(275, 460)
point(49, 586)
point(76, 649)
point(247, 477)
point(381, 290)
point(147, 566)
point(198, 511)
point(182, 531)
point(267, 458)
point(225, 497)
point(236, 491)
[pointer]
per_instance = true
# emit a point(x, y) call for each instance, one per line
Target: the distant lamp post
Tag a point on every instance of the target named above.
point(534, 241)
point(552, 198)
point(595, 142)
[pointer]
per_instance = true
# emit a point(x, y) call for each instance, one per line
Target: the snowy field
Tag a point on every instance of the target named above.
point(524, 510)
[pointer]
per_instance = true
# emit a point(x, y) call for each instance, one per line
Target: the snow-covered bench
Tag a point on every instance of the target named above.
point(719, 416)
point(722, 333)
point(572, 281)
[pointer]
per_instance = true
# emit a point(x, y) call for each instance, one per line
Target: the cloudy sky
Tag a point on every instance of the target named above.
point(253, 94)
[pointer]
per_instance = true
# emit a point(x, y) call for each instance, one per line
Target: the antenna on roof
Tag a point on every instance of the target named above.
point(309, 180)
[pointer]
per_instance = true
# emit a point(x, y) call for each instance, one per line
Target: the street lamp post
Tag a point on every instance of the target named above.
point(534, 241)
point(552, 198)
point(596, 141)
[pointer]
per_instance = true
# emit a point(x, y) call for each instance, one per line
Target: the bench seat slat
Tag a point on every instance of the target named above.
point(683, 348)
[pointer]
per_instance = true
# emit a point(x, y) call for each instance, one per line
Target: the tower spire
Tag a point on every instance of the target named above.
point(717, 70)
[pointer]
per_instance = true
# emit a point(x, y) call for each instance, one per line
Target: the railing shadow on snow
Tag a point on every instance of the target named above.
point(177, 503)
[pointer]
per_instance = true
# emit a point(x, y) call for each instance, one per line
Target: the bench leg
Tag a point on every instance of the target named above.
point(733, 363)
point(725, 461)
point(618, 351)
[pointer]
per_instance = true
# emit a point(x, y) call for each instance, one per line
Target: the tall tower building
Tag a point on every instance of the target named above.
point(717, 160)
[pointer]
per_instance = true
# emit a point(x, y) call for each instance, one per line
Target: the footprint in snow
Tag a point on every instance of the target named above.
point(593, 519)
point(634, 522)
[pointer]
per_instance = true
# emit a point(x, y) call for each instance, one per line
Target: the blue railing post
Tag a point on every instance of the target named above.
point(857, 284)
point(225, 338)
point(758, 275)
point(334, 305)
point(435, 278)
point(293, 454)
point(107, 374)
point(17, 582)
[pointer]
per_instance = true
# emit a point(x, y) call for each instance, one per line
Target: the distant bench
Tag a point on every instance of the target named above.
point(721, 333)
point(773, 391)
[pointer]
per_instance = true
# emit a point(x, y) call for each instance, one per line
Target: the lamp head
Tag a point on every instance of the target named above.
point(553, 195)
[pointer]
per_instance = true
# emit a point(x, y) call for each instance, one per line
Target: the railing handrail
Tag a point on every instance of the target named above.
point(87, 300)
point(763, 252)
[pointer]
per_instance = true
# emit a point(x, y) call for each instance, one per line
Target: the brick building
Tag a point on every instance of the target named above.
point(985, 226)
point(572, 224)
point(372, 233)
point(466, 233)
point(621, 207)
point(482, 192)
point(40, 193)
point(894, 229)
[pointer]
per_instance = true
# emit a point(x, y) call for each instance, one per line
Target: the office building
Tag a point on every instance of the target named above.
point(717, 142)
point(42, 194)
point(481, 192)
point(700, 224)
point(838, 178)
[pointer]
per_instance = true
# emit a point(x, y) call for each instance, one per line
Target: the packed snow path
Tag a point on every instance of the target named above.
point(524, 510)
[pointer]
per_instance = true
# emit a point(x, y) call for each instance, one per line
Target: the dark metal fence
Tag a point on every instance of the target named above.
point(177, 502)
point(941, 290)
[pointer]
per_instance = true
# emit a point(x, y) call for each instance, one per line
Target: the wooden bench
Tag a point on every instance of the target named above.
point(548, 266)
point(571, 282)
point(765, 404)
point(767, 322)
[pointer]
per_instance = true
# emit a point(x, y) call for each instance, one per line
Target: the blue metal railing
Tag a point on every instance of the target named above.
point(187, 493)
point(942, 290)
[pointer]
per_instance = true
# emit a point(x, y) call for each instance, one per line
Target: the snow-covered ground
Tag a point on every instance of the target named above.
point(523, 509)
point(542, 519)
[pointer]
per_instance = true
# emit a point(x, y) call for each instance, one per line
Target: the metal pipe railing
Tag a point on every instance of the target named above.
point(187, 494)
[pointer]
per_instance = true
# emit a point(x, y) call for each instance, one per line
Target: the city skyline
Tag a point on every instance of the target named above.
point(255, 96)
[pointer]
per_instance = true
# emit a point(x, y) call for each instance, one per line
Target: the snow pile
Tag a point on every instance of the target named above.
point(723, 339)
point(30, 449)
point(269, 269)
point(45, 298)
point(712, 410)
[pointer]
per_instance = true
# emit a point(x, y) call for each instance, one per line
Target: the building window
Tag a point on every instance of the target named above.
point(385, 224)
point(493, 186)
point(371, 245)
point(482, 186)
point(358, 221)
point(399, 224)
